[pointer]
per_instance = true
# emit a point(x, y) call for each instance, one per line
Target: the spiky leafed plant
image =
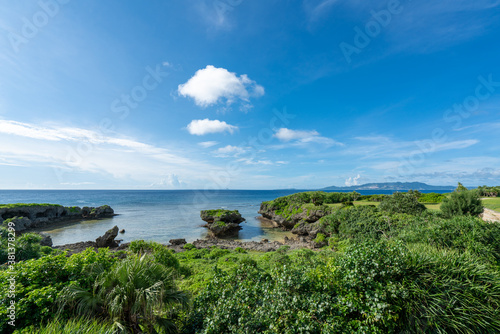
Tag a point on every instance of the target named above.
point(138, 294)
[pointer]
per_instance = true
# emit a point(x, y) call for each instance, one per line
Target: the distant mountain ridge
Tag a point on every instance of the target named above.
point(392, 186)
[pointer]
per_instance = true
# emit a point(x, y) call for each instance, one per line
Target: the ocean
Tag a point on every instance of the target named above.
point(157, 215)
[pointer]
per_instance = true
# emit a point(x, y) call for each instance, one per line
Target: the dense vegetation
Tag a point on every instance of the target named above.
point(312, 197)
point(462, 203)
point(396, 268)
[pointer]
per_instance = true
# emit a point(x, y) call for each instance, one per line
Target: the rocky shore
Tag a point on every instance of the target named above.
point(31, 216)
point(178, 244)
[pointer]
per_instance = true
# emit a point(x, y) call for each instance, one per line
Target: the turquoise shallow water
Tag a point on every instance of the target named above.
point(154, 215)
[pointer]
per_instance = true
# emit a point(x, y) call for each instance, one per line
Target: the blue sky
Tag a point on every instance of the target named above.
point(241, 94)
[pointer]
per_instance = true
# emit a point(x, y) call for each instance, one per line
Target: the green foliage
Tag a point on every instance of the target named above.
point(40, 281)
point(250, 300)
point(368, 280)
point(373, 198)
point(485, 191)
point(462, 203)
point(240, 250)
point(73, 326)
point(460, 188)
point(217, 252)
point(220, 224)
point(360, 222)
point(189, 246)
point(402, 203)
point(138, 294)
point(465, 234)
point(432, 198)
point(27, 246)
point(320, 238)
point(20, 205)
point(449, 292)
point(73, 209)
point(160, 252)
point(316, 198)
point(415, 193)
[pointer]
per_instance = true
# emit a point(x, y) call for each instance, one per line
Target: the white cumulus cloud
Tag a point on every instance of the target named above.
point(352, 181)
point(212, 85)
point(200, 127)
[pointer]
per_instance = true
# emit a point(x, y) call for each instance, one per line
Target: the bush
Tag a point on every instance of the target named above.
point(402, 203)
point(462, 203)
point(189, 246)
point(27, 246)
point(161, 253)
point(240, 250)
point(431, 198)
point(358, 222)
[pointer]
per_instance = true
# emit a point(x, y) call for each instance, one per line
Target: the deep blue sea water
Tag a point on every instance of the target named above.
point(158, 215)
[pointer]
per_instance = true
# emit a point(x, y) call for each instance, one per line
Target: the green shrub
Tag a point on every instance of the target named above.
point(402, 203)
point(216, 252)
point(189, 246)
point(240, 250)
point(462, 203)
point(320, 238)
point(432, 198)
point(160, 252)
point(27, 246)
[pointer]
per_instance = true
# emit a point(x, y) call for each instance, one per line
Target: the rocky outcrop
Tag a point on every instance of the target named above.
point(177, 242)
point(222, 223)
point(309, 229)
point(46, 241)
point(108, 239)
point(30, 216)
point(288, 216)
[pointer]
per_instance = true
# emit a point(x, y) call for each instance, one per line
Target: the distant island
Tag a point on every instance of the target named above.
point(392, 186)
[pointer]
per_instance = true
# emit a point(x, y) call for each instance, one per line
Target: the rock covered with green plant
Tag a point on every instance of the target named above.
point(288, 211)
point(222, 223)
point(28, 216)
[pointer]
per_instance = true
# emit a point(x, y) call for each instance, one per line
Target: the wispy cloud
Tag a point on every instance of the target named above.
point(208, 144)
point(68, 149)
point(229, 151)
point(302, 138)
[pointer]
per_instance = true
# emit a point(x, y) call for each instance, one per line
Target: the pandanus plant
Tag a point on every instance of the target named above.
point(137, 295)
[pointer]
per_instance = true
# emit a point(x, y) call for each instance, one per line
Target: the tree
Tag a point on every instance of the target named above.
point(138, 295)
point(460, 188)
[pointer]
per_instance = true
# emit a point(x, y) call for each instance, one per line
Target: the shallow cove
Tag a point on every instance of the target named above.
point(158, 215)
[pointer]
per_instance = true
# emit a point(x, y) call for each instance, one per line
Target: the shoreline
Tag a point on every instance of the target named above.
point(258, 246)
